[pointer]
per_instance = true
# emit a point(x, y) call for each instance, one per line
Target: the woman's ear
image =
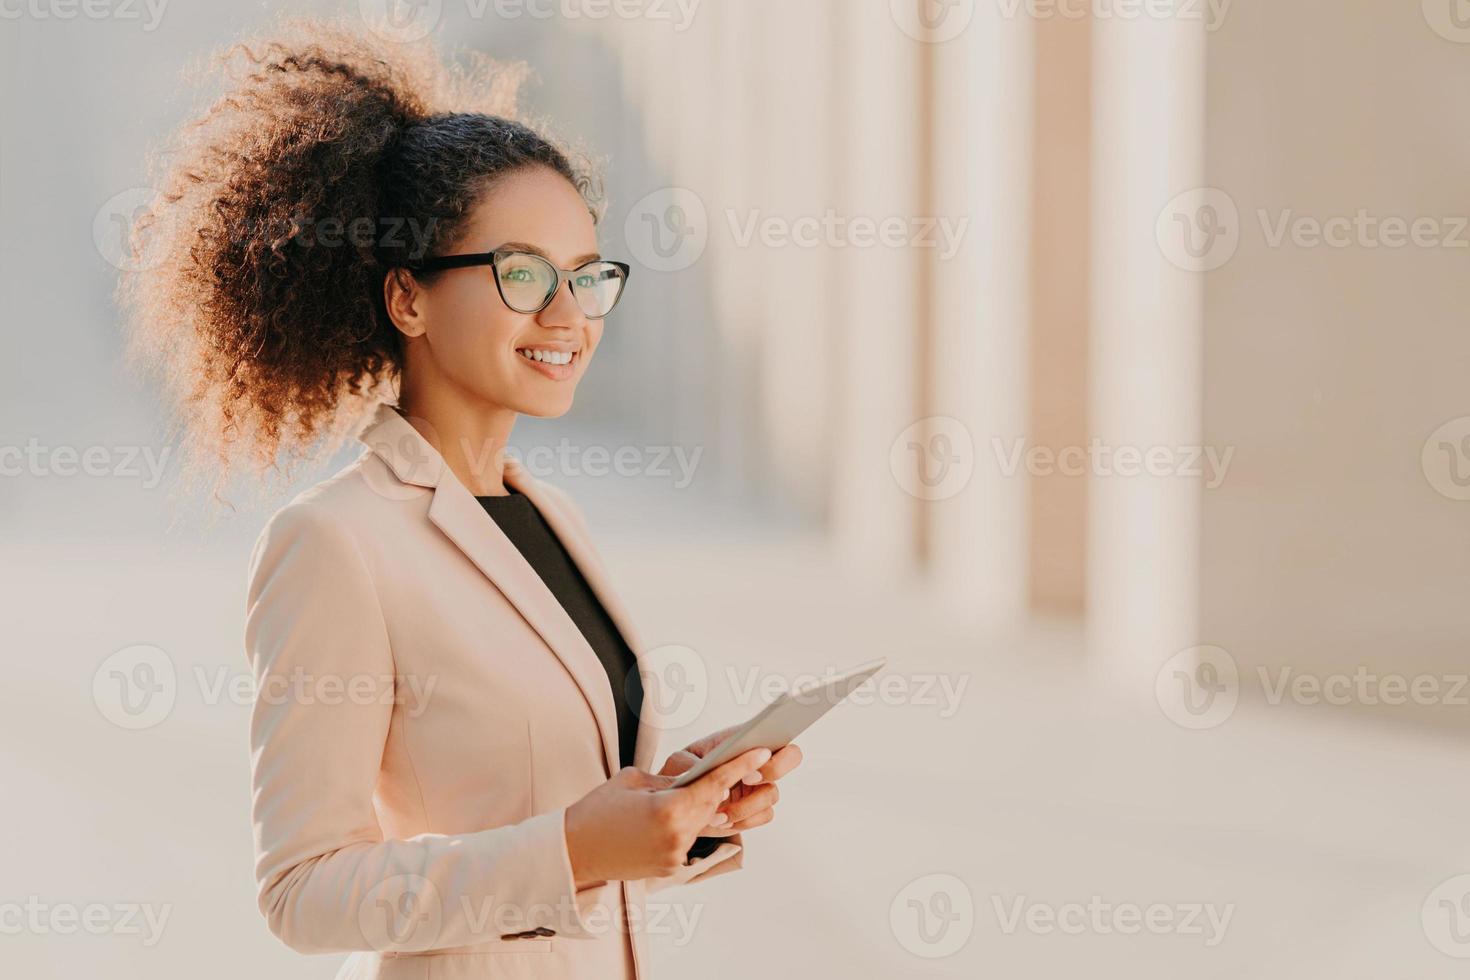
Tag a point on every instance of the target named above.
point(403, 297)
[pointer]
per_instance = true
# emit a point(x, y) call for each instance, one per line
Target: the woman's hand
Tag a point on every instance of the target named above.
point(752, 801)
point(635, 826)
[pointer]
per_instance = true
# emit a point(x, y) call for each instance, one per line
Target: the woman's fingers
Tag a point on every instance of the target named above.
point(703, 747)
point(760, 819)
point(785, 760)
point(751, 801)
point(714, 787)
point(679, 762)
point(720, 826)
point(724, 830)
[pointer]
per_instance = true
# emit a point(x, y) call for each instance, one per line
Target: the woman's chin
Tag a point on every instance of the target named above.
point(545, 408)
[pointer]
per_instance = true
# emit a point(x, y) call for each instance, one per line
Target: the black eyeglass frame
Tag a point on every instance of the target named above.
point(492, 258)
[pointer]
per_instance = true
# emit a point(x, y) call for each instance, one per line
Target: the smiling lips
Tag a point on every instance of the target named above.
point(554, 362)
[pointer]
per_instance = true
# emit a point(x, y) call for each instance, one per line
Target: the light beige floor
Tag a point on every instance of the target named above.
point(1322, 835)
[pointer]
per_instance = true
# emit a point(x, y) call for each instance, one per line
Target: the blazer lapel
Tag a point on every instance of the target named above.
point(581, 552)
point(456, 512)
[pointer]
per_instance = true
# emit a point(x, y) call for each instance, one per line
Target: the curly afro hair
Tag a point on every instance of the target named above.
point(332, 157)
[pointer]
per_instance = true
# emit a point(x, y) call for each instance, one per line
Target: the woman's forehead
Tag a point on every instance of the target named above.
point(537, 207)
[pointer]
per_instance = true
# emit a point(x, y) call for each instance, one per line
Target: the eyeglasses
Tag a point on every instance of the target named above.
point(528, 283)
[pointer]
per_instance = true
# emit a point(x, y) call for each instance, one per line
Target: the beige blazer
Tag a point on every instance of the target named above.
point(424, 713)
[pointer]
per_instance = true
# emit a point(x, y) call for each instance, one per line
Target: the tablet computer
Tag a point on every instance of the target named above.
point(779, 722)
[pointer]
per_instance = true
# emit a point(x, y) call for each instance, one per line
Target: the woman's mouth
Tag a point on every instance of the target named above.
point(555, 363)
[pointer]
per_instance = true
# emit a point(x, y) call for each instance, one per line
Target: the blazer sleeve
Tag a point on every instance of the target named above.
point(325, 678)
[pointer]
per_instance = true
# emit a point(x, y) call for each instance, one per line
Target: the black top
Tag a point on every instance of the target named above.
point(539, 545)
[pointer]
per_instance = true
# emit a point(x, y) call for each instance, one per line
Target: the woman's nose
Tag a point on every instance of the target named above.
point(563, 310)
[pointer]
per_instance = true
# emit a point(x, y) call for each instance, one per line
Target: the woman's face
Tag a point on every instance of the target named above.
point(473, 341)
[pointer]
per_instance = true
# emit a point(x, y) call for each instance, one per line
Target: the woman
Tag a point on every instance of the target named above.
point(451, 770)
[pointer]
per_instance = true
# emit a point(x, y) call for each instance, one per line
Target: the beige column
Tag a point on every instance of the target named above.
point(976, 314)
point(873, 286)
point(1142, 567)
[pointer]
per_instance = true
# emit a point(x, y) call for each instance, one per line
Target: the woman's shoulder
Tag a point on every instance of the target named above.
point(359, 500)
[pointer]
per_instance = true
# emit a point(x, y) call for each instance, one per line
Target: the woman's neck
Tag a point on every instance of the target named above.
point(470, 436)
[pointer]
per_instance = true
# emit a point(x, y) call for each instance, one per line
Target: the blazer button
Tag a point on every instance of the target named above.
point(543, 931)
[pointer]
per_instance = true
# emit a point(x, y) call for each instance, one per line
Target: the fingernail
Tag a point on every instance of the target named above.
point(725, 797)
point(753, 779)
point(720, 820)
point(763, 757)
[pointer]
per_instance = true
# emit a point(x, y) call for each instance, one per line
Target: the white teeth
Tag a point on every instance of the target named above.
point(547, 356)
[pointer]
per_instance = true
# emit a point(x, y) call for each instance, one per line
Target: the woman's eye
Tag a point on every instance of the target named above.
point(586, 282)
point(518, 275)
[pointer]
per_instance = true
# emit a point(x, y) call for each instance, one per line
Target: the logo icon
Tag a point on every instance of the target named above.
point(1446, 917)
point(1199, 230)
point(401, 21)
point(1446, 459)
point(934, 458)
point(136, 687)
point(675, 686)
point(933, 916)
point(932, 21)
point(403, 912)
point(1450, 19)
point(417, 456)
point(667, 230)
point(1198, 688)
point(113, 227)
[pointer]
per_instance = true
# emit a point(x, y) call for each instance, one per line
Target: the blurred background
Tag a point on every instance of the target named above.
point(1101, 363)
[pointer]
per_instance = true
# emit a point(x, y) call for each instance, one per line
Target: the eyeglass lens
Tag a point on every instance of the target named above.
point(527, 282)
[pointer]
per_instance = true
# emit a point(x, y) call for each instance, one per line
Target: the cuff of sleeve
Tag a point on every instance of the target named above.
point(729, 855)
point(553, 905)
